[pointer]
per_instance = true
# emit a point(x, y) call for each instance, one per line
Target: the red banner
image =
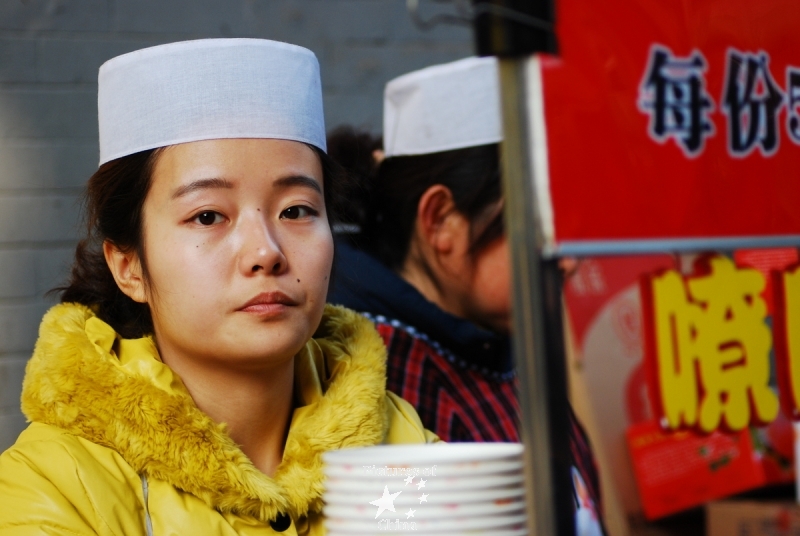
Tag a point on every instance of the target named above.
point(676, 122)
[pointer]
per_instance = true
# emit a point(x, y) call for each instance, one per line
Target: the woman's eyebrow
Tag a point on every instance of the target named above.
point(297, 180)
point(201, 184)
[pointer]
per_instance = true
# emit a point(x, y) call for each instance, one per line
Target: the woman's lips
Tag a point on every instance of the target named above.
point(268, 303)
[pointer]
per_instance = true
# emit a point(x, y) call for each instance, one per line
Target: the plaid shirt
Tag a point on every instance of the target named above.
point(455, 400)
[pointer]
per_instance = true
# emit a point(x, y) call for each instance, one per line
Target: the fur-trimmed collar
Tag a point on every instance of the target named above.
point(86, 380)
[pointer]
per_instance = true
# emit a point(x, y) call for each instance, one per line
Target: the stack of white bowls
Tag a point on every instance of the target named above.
point(439, 489)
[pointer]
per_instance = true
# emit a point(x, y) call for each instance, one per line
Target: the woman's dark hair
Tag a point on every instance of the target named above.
point(384, 208)
point(113, 205)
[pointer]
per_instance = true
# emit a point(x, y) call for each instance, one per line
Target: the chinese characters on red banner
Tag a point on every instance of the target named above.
point(673, 92)
point(708, 346)
point(670, 123)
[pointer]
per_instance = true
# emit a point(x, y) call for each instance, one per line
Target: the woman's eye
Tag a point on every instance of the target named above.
point(298, 211)
point(208, 217)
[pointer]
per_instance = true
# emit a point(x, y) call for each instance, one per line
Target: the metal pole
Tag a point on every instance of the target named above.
point(538, 337)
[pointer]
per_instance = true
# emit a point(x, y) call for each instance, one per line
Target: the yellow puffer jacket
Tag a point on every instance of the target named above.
point(118, 447)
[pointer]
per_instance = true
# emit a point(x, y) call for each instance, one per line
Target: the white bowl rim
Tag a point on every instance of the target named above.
point(476, 532)
point(480, 482)
point(447, 470)
point(499, 521)
point(472, 496)
point(430, 511)
point(436, 453)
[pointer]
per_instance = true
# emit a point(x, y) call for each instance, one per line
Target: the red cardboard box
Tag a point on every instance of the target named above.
point(753, 518)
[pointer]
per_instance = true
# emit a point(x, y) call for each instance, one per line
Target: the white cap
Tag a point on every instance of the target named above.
point(449, 106)
point(209, 89)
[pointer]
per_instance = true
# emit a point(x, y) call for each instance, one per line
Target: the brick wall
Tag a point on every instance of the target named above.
point(50, 51)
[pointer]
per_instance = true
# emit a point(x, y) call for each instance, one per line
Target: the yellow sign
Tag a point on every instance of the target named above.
point(709, 346)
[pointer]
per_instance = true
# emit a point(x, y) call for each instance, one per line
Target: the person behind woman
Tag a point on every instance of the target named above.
point(192, 376)
point(427, 258)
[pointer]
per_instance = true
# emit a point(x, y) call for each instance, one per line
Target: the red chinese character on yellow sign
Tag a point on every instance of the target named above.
point(786, 326)
point(708, 346)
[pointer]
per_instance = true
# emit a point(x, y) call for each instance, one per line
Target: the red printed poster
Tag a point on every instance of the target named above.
point(680, 470)
point(669, 125)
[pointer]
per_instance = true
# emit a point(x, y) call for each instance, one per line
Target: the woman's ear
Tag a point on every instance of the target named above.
point(127, 271)
point(439, 224)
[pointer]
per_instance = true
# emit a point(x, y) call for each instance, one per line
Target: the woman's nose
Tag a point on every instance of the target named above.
point(262, 250)
point(276, 267)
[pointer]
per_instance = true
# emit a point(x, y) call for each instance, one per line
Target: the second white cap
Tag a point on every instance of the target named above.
point(450, 106)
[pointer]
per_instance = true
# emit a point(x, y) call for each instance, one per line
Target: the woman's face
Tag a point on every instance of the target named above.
point(489, 288)
point(238, 250)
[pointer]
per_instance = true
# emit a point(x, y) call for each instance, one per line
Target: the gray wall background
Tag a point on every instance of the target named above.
point(50, 51)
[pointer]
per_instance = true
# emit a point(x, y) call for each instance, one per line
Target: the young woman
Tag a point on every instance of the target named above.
point(193, 375)
point(430, 262)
